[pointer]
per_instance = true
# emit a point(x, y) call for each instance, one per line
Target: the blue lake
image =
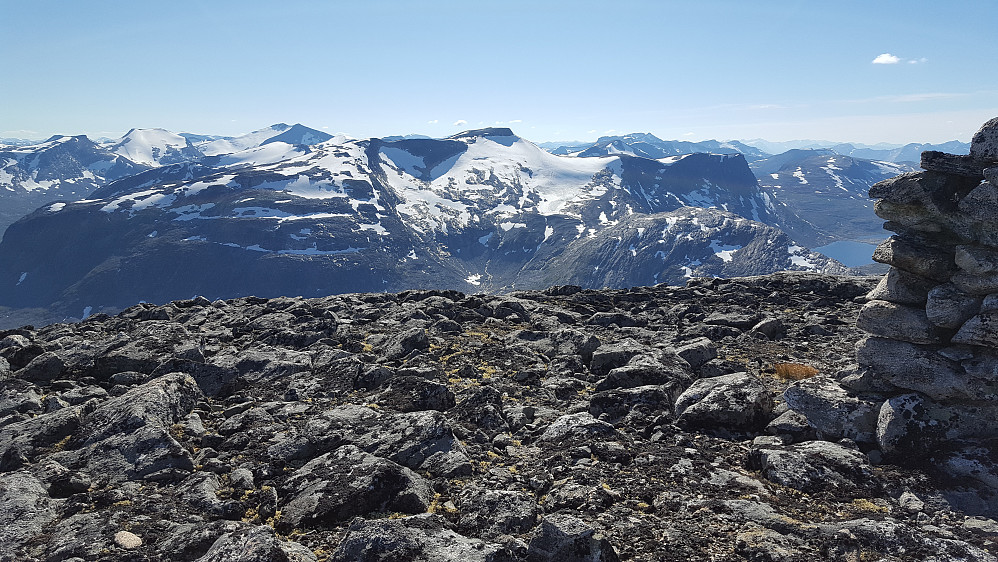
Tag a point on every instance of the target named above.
point(851, 254)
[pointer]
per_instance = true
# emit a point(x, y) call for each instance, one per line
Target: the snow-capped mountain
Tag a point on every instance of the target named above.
point(155, 147)
point(650, 146)
point(829, 191)
point(482, 210)
point(63, 168)
point(296, 134)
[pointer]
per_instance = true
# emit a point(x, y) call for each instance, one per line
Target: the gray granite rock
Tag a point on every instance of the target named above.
point(902, 287)
point(912, 425)
point(564, 538)
point(984, 144)
point(735, 401)
point(320, 495)
point(420, 537)
point(815, 466)
point(949, 307)
point(980, 330)
point(976, 260)
point(898, 322)
point(913, 367)
point(832, 410)
point(25, 508)
point(256, 544)
point(932, 263)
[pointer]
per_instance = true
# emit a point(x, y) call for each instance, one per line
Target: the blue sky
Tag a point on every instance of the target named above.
point(551, 70)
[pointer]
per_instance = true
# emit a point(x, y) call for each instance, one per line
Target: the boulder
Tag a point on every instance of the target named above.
point(735, 401)
point(898, 322)
point(902, 287)
point(256, 544)
point(414, 393)
point(949, 307)
point(581, 426)
point(984, 144)
point(697, 352)
point(160, 402)
point(834, 412)
point(25, 509)
point(912, 367)
point(924, 261)
point(646, 372)
point(617, 403)
point(347, 482)
point(420, 537)
point(490, 513)
point(980, 330)
point(610, 356)
point(912, 425)
point(564, 538)
point(816, 466)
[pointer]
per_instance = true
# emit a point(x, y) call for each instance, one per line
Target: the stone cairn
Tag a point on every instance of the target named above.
point(932, 353)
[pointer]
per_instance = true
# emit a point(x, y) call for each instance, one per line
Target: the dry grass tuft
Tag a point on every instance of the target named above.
point(794, 371)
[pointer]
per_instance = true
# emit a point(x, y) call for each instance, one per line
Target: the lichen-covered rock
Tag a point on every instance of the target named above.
point(832, 411)
point(564, 538)
point(420, 537)
point(912, 367)
point(25, 508)
point(580, 426)
point(925, 261)
point(984, 145)
point(902, 287)
point(980, 330)
point(735, 401)
point(899, 322)
point(497, 512)
point(697, 352)
point(949, 307)
point(816, 466)
point(348, 482)
point(256, 544)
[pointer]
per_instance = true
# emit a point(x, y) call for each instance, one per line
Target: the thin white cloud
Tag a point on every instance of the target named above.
point(433, 121)
point(918, 61)
point(886, 58)
point(460, 122)
point(516, 121)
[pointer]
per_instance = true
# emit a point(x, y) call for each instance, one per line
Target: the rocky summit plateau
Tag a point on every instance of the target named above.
point(793, 416)
point(566, 424)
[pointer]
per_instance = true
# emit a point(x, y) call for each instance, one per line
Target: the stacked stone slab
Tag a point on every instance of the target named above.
point(932, 353)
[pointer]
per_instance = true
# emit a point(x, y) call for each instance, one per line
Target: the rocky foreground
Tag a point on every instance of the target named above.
point(641, 424)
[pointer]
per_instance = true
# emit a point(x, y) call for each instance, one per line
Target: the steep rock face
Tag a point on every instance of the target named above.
point(482, 210)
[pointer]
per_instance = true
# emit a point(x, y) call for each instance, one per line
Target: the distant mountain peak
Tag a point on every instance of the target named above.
point(298, 134)
point(486, 132)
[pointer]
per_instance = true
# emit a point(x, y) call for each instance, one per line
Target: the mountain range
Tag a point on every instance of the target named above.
point(484, 210)
point(156, 216)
